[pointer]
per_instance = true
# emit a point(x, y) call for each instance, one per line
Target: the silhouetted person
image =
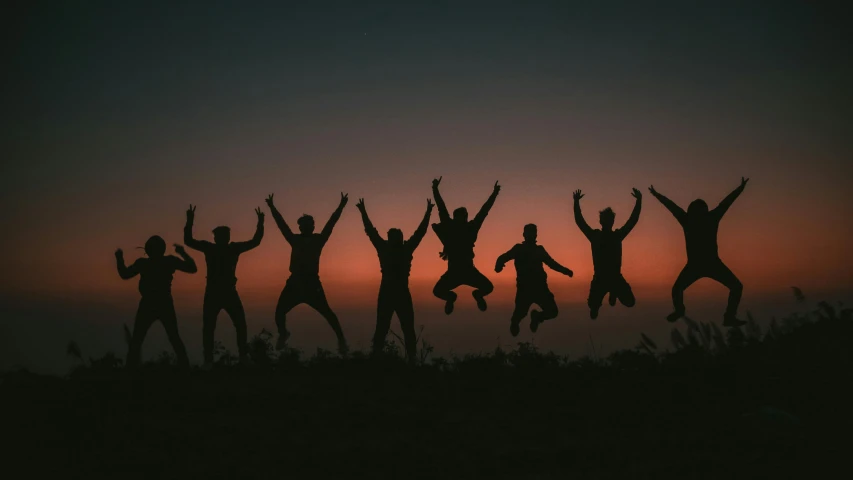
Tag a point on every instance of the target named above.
point(155, 285)
point(221, 292)
point(395, 261)
point(304, 285)
point(607, 255)
point(531, 280)
point(458, 236)
point(700, 235)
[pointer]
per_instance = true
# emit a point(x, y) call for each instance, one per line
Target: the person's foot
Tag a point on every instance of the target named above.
point(514, 328)
point(732, 321)
point(281, 344)
point(593, 313)
point(674, 316)
point(208, 366)
point(612, 300)
point(535, 320)
point(481, 302)
point(448, 306)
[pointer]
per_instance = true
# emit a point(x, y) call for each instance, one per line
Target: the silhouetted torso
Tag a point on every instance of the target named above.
point(221, 261)
point(458, 240)
point(529, 260)
point(607, 252)
point(395, 261)
point(156, 274)
point(700, 237)
point(305, 257)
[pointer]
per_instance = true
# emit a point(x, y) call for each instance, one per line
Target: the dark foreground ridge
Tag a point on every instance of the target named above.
point(748, 404)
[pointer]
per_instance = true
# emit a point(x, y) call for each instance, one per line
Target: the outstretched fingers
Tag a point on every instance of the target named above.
point(270, 199)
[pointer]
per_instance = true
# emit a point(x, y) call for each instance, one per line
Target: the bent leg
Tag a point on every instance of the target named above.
point(406, 315)
point(597, 290)
point(384, 312)
point(289, 298)
point(234, 308)
point(687, 277)
point(444, 287)
point(210, 311)
point(318, 302)
point(170, 323)
point(624, 293)
point(143, 321)
point(548, 305)
point(724, 275)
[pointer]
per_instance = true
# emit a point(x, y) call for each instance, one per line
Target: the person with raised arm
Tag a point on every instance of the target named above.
point(700, 235)
point(395, 261)
point(155, 285)
point(221, 258)
point(531, 280)
point(304, 285)
point(607, 254)
point(458, 236)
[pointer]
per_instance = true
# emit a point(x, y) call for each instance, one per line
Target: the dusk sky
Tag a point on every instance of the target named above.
point(119, 115)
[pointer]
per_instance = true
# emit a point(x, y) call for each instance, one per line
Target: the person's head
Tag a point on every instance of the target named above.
point(306, 224)
point(222, 235)
point(607, 218)
point(530, 233)
point(460, 215)
point(697, 208)
point(395, 236)
point(155, 247)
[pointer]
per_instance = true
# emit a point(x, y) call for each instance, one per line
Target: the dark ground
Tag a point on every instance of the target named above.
point(750, 405)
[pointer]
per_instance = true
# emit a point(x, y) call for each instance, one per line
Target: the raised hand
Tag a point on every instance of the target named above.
point(360, 204)
point(191, 212)
point(652, 189)
point(119, 253)
point(180, 249)
point(269, 200)
point(260, 214)
point(497, 187)
point(435, 182)
point(570, 273)
point(499, 267)
point(743, 182)
point(636, 193)
point(430, 204)
point(577, 195)
point(344, 198)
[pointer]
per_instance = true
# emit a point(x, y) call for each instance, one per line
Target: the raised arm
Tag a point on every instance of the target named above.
point(506, 257)
point(420, 232)
point(369, 229)
point(191, 242)
point(579, 220)
point(443, 215)
point(256, 240)
point(484, 210)
point(727, 202)
point(676, 211)
point(186, 262)
point(635, 214)
point(125, 272)
point(336, 215)
point(553, 265)
point(279, 221)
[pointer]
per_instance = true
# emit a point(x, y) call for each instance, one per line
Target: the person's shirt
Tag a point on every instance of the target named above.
point(305, 256)
point(700, 236)
point(156, 274)
point(529, 259)
point(458, 240)
point(607, 251)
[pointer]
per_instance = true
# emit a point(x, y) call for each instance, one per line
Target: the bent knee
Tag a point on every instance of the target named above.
point(628, 302)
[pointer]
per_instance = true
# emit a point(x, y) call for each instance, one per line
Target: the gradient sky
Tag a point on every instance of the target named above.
point(121, 114)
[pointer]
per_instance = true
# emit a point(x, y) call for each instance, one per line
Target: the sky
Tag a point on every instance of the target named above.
point(121, 114)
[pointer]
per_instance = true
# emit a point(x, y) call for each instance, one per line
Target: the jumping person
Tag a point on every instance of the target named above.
point(155, 285)
point(395, 261)
point(531, 280)
point(221, 292)
point(607, 254)
point(458, 236)
point(304, 285)
point(700, 235)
